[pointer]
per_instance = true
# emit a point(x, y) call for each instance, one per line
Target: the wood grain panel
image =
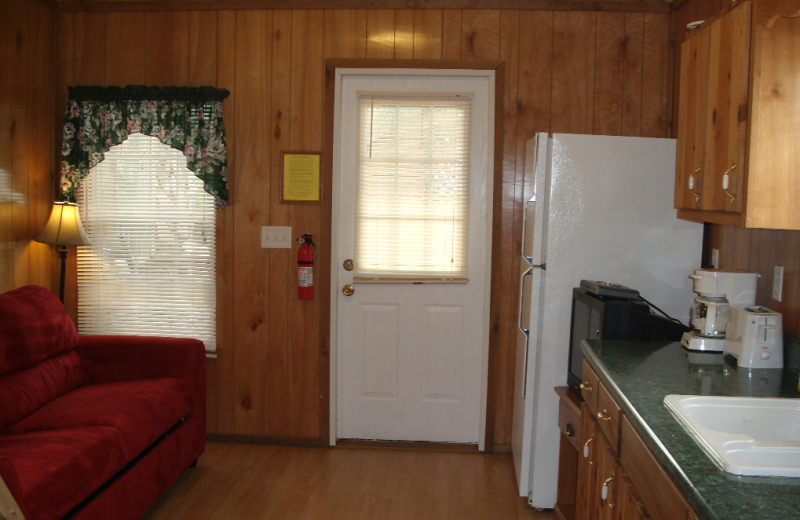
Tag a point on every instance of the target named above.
point(280, 260)
point(203, 48)
point(159, 54)
point(656, 75)
point(346, 33)
point(505, 292)
point(20, 145)
point(380, 33)
point(125, 60)
point(40, 65)
point(27, 87)
point(632, 86)
point(225, 369)
point(609, 73)
point(181, 47)
point(452, 20)
point(573, 72)
point(428, 34)
point(404, 34)
point(481, 34)
point(306, 134)
point(251, 298)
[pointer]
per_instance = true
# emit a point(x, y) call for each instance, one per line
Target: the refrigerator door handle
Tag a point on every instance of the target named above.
point(525, 227)
point(526, 332)
point(528, 272)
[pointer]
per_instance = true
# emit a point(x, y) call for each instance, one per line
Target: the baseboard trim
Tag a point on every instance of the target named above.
point(452, 447)
point(274, 441)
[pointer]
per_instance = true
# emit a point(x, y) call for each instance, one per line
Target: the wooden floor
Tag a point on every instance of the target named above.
point(250, 482)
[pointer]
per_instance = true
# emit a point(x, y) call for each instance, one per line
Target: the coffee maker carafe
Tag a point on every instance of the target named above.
point(717, 290)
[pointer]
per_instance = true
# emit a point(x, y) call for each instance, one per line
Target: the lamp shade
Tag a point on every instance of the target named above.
point(64, 227)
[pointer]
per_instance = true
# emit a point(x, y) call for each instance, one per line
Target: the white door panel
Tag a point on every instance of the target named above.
point(410, 358)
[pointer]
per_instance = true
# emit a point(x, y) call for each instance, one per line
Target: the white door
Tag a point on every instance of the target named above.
point(410, 356)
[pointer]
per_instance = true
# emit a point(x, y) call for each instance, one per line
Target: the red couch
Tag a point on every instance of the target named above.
point(93, 427)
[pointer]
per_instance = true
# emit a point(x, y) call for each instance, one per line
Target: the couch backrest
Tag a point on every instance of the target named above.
point(34, 326)
point(38, 360)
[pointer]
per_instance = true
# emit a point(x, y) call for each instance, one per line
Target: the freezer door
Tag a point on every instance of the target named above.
point(533, 184)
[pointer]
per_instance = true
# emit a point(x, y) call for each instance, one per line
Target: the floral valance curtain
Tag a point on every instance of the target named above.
point(188, 119)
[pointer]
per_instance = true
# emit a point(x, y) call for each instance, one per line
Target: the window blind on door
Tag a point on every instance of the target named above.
point(151, 267)
point(412, 187)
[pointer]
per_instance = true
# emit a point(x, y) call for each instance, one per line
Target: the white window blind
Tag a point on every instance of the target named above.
point(412, 187)
point(150, 269)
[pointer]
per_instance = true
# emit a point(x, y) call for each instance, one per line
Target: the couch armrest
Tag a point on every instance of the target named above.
point(121, 358)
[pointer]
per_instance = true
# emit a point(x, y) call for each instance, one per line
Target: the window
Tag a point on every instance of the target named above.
point(412, 187)
point(150, 269)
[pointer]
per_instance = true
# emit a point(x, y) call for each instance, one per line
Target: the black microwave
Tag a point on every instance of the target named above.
point(606, 317)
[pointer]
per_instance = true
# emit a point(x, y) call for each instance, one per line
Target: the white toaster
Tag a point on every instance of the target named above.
point(755, 337)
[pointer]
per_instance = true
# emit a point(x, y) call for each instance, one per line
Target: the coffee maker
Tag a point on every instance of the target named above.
point(717, 291)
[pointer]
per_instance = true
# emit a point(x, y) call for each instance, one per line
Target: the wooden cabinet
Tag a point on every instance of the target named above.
point(619, 478)
point(738, 117)
point(569, 423)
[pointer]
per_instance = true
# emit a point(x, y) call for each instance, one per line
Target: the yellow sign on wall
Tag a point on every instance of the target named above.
point(301, 178)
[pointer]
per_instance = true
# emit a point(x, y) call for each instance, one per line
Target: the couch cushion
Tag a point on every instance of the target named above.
point(24, 391)
point(33, 327)
point(140, 410)
point(57, 470)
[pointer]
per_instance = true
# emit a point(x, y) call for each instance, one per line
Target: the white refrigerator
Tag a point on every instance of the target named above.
point(597, 208)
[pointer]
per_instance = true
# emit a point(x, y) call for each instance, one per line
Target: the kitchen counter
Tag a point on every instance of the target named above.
point(639, 374)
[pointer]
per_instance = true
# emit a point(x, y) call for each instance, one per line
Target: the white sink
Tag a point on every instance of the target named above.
point(743, 435)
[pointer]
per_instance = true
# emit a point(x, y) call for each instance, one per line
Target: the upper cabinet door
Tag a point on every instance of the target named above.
point(739, 119)
point(690, 161)
point(727, 111)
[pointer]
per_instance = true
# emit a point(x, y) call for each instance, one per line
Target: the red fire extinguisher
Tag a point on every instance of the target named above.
point(305, 268)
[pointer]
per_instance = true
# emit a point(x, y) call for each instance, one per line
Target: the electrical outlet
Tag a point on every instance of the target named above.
point(276, 237)
point(777, 283)
point(715, 258)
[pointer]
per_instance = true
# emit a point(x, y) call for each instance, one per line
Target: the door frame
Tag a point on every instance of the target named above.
point(334, 69)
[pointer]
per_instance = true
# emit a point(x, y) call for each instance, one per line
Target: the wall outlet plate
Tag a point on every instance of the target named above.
point(777, 283)
point(276, 237)
point(715, 258)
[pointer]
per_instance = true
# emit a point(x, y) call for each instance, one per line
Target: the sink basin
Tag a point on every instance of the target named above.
point(743, 435)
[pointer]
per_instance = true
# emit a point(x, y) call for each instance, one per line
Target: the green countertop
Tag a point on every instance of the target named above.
point(639, 375)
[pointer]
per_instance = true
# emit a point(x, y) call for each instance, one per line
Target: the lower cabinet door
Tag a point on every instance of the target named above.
point(629, 505)
point(609, 476)
point(586, 493)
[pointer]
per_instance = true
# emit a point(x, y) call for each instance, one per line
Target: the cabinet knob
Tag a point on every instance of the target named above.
point(585, 387)
point(569, 430)
point(603, 416)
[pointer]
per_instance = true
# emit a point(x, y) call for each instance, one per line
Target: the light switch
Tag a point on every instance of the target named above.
point(276, 237)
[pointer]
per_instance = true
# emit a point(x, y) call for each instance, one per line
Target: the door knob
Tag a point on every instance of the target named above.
point(348, 289)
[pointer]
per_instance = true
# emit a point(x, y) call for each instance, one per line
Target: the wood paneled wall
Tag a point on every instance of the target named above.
point(27, 150)
point(751, 249)
point(588, 72)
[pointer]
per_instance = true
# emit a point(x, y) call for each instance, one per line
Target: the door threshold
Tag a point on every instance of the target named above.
point(451, 447)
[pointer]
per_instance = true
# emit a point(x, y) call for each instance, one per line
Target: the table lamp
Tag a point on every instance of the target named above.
point(64, 229)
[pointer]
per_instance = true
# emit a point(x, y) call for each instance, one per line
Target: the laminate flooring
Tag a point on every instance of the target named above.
point(255, 482)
